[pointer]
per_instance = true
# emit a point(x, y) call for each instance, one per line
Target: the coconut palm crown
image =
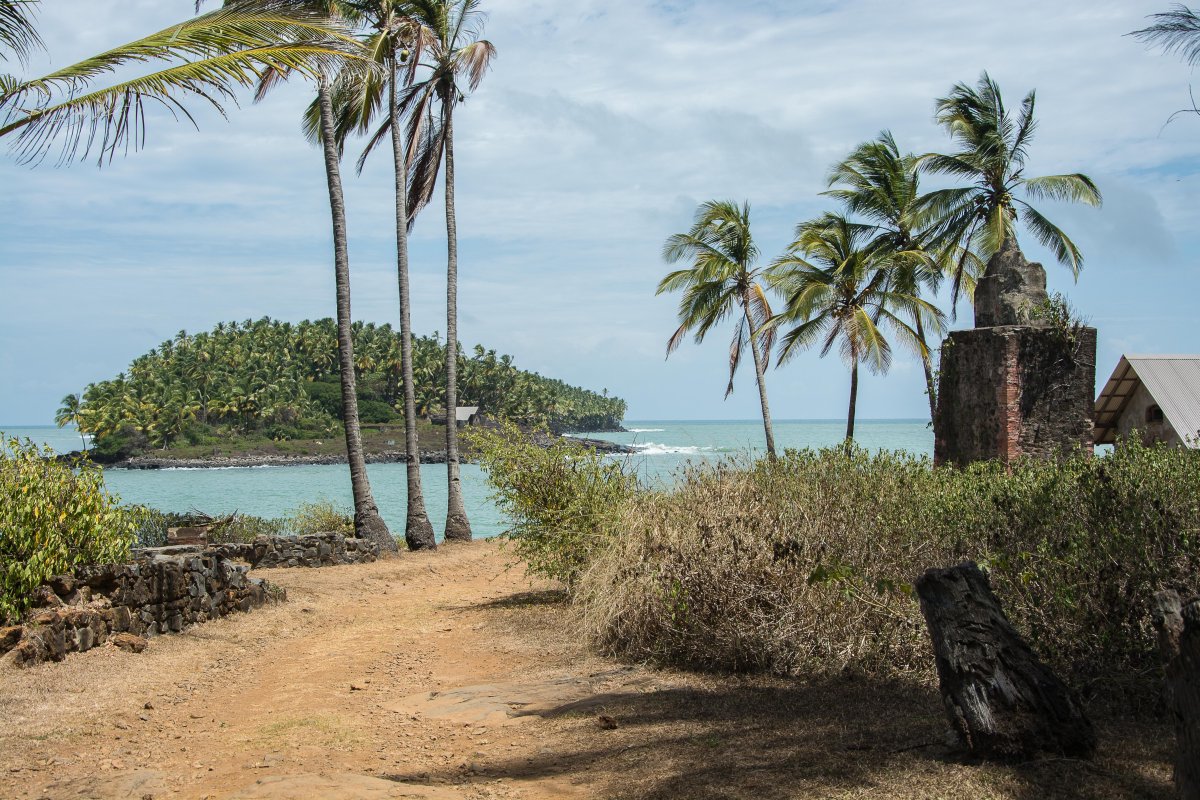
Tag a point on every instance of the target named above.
point(881, 185)
point(993, 149)
point(722, 280)
point(841, 291)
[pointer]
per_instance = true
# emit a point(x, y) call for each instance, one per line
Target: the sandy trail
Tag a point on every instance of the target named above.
point(447, 676)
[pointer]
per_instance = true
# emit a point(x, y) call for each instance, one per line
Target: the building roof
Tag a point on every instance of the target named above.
point(464, 413)
point(1173, 382)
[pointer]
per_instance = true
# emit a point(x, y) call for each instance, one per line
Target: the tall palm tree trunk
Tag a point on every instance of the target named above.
point(853, 400)
point(760, 374)
point(927, 362)
point(367, 522)
point(458, 527)
point(418, 530)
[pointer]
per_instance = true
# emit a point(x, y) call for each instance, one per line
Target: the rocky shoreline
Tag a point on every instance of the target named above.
point(151, 462)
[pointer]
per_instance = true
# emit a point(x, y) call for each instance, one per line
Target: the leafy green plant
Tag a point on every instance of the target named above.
point(53, 517)
point(320, 517)
point(562, 499)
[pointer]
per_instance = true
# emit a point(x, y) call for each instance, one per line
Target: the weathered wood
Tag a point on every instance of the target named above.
point(1178, 626)
point(1001, 701)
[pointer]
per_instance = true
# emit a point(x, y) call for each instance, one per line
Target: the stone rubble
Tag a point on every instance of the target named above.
point(163, 590)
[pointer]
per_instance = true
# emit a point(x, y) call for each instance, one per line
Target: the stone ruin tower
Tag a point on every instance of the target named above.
point(1015, 385)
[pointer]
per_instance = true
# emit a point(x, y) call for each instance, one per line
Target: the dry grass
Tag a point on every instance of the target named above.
point(805, 566)
point(733, 572)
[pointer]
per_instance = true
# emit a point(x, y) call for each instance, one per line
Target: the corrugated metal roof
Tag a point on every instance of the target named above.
point(1173, 382)
point(464, 413)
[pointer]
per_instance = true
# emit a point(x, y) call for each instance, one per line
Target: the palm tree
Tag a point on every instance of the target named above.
point(993, 148)
point(840, 291)
point(457, 61)
point(368, 524)
point(367, 521)
point(881, 185)
point(722, 277)
point(394, 37)
point(206, 58)
point(69, 413)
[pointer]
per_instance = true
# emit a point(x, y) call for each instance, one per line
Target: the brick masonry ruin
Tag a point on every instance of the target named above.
point(163, 590)
point(1014, 386)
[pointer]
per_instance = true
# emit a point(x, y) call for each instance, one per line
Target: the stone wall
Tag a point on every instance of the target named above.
point(1013, 391)
point(163, 591)
point(316, 550)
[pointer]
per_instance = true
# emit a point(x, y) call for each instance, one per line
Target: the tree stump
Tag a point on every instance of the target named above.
point(1178, 626)
point(1001, 701)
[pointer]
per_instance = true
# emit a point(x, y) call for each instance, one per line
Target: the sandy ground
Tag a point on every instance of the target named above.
point(447, 676)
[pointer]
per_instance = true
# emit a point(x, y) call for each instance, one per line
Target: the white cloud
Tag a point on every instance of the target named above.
point(594, 138)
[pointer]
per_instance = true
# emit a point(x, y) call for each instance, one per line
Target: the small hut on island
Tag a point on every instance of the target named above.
point(1157, 396)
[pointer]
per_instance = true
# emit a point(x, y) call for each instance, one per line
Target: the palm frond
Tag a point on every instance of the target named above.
point(214, 54)
point(474, 60)
point(1176, 32)
point(1074, 188)
point(17, 32)
point(741, 337)
point(803, 336)
point(1052, 237)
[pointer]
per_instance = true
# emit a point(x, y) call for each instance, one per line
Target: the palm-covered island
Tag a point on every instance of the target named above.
point(270, 387)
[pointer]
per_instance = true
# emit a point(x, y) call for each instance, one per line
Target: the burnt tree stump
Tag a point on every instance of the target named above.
point(1178, 625)
point(1001, 701)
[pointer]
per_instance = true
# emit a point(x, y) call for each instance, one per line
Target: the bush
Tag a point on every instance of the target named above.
point(53, 518)
point(806, 565)
point(119, 445)
point(375, 412)
point(562, 499)
point(322, 517)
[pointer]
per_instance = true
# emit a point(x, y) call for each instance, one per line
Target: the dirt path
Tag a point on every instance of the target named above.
point(446, 677)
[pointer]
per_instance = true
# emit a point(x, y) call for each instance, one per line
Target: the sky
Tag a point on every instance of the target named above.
point(598, 132)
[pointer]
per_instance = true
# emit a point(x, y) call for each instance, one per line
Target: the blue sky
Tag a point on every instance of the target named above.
point(598, 132)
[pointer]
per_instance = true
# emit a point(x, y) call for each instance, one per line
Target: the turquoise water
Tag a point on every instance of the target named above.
point(663, 447)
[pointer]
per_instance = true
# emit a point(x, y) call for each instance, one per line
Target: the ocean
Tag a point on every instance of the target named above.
point(663, 447)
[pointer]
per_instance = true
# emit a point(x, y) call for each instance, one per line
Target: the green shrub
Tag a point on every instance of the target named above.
point(119, 445)
point(322, 517)
point(806, 565)
point(53, 518)
point(375, 412)
point(562, 499)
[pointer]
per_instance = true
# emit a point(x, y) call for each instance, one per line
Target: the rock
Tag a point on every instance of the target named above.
point(1011, 287)
point(9, 638)
point(45, 597)
point(132, 644)
point(63, 585)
